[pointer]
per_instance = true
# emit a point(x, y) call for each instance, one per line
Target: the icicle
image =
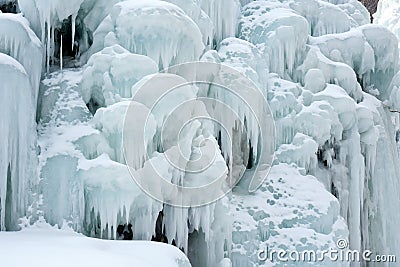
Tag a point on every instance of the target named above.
point(73, 18)
point(61, 53)
point(48, 46)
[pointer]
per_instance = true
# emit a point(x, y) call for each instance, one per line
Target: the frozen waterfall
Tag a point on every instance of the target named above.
point(327, 77)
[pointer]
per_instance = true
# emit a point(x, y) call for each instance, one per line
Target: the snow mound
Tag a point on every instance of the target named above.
point(46, 246)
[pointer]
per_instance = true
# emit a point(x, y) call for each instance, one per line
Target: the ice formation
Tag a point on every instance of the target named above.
point(18, 153)
point(386, 15)
point(19, 41)
point(331, 81)
point(159, 39)
point(110, 74)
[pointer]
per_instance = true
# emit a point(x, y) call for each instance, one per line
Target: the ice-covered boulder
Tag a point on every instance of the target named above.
point(278, 31)
point(193, 9)
point(314, 80)
point(302, 151)
point(246, 58)
point(110, 74)
point(165, 33)
point(18, 162)
point(373, 54)
point(334, 72)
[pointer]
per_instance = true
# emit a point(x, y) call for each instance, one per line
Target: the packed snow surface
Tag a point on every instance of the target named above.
point(46, 246)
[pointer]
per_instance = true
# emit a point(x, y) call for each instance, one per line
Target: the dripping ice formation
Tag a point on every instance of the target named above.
point(331, 80)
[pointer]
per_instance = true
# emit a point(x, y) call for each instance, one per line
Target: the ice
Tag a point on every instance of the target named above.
point(302, 151)
point(379, 156)
point(373, 54)
point(325, 18)
point(98, 191)
point(193, 9)
point(356, 10)
point(386, 15)
point(393, 90)
point(334, 72)
point(18, 161)
point(279, 32)
point(246, 58)
point(169, 39)
point(18, 41)
point(110, 74)
point(314, 80)
point(224, 16)
point(45, 16)
point(331, 81)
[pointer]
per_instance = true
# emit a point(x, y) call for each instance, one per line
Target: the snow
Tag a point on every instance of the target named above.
point(44, 245)
point(288, 206)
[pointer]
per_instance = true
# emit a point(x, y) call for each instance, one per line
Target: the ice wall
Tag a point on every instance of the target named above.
point(20, 42)
point(18, 143)
point(327, 78)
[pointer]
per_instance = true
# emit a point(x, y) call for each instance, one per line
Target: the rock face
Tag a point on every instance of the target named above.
point(371, 5)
